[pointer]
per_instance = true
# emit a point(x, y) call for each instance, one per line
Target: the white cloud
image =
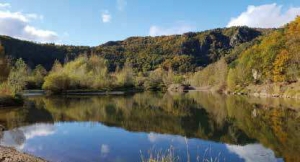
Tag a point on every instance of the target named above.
point(38, 130)
point(4, 5)
point(32, 33)
point(104, 150)
point(154, 138)
point(121, 4)
point(17, 24)
point(265, 16)
point(178, 28)
point(18, 137)
point(253, 152)
point(106, 17)
point(35, 16)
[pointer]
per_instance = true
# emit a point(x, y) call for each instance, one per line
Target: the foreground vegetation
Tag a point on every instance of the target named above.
point(11, 81)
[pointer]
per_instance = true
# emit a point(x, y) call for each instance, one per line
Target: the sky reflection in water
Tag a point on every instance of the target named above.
point(193, 126)
point(88, 141)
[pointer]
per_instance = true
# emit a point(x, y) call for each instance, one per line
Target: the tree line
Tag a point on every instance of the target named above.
point(225, 59)
point(270, 59)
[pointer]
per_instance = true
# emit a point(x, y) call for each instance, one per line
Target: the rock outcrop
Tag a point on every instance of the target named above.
point(178, 88)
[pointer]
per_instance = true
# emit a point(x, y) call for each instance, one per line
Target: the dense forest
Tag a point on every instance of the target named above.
point(236, 59)
point(179, 52)
point(270, 66)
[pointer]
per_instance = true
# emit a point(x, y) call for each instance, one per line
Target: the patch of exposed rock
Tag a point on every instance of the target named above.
point(11, 155)
point(178, 88)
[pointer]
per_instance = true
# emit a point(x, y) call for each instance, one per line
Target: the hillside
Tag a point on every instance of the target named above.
point(236, 60)
point(180, 52)
point(269, 67)
point(34, 53)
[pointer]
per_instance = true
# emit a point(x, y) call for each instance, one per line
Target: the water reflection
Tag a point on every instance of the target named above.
point(252, 129)
point(253, 152)
point(18, 136)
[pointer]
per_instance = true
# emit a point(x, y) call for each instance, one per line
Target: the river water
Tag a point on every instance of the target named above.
point(194, 126)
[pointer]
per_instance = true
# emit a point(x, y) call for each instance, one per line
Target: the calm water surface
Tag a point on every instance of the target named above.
point(195, 126)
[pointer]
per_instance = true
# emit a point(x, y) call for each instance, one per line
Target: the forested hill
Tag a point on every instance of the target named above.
point(180, 52)
point(35, 53)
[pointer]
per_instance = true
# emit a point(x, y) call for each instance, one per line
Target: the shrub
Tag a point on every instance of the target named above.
point(125, 76)
point(36, 78)
point(56, 82)
point(6, 89)
point(154, 81)
point(18, 76)
point(213, 75)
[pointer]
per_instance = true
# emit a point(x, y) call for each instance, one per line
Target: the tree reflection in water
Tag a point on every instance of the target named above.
point(233, 120)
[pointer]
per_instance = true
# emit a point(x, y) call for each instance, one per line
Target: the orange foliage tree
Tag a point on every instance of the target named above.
point(279, 66)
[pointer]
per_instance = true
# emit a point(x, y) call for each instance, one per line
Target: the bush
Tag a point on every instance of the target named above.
point(87, 73)
point(57, 82)
point(36, 78)
point(125, 77)
point(8, 96)
point(6, 89)
point(18, 76)
point(155, 80)
point(213, 75)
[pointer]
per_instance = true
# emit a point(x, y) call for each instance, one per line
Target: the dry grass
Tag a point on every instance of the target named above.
point(170, 155)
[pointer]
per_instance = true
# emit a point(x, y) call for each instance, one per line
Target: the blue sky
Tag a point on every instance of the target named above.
point(92, 22)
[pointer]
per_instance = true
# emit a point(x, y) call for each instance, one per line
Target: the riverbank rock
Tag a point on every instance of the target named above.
point(11, 155)
point(178, 88)
point(8, 154)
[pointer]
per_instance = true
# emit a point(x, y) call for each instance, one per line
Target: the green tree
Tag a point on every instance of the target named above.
point(18, 76)
point(56, 82)
point(37, 76)
point(57, 66)
point(125, 77)
point(214, 75)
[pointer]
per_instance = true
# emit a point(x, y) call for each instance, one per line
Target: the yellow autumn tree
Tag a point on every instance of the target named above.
point(280, 65)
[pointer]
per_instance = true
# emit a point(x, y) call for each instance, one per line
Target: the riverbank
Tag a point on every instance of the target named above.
point(81, 92)
point(8, 154)
point(9, 101)
point(278, 90)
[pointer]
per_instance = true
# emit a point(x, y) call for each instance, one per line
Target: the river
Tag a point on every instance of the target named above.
point(194, 126)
